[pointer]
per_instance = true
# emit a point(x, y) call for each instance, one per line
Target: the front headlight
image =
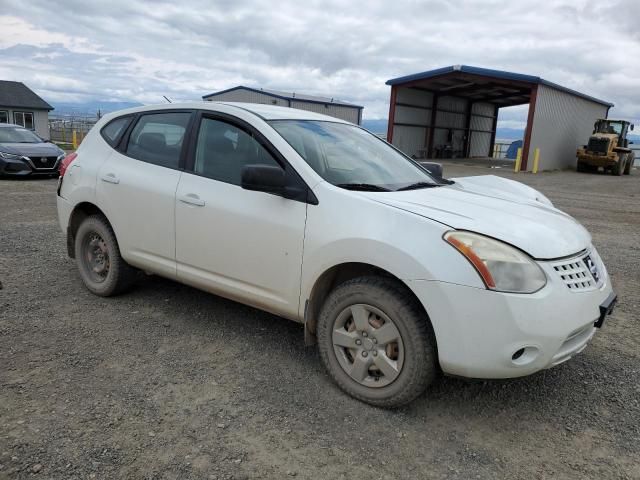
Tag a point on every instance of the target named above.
point(502, 267)
point(10, 156)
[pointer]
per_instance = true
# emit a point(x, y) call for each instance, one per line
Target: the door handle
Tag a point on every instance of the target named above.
point(192, 199)
point(110, 178)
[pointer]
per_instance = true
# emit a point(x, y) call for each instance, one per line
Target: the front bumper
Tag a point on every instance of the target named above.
point(486, 334)
point(24, 167)
point(597, 160)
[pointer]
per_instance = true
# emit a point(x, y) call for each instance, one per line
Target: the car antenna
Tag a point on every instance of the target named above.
point(165, 97)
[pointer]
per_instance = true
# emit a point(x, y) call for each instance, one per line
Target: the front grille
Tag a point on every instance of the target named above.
point(598, 145)
point(575, 272)
point(40, 163)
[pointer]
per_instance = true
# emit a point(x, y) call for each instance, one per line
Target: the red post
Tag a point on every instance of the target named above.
point(526, 144)
point(392, 114)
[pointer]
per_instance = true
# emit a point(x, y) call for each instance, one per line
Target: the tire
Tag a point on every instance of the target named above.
point(409, 361)
point(631, 157)
point(581, 167)
point(618, 167)
point(101, 267)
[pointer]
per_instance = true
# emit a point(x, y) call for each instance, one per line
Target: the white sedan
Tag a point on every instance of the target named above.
point(396, 275)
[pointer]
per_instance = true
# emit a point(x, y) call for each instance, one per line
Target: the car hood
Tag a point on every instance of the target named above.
point(43, 149)
point(499, 208)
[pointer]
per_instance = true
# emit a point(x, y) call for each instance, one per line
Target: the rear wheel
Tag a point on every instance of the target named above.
point(376, 341)
point(631, 157)
point(101, 267)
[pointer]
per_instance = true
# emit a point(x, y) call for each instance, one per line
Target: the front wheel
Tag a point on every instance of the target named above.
point(618, 167)
point(376, 341)
point(631, 157)
point(102, 269)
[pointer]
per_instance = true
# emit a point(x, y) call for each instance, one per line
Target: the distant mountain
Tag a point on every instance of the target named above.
point(509, 134)
point(90, 108)
point(376, 125)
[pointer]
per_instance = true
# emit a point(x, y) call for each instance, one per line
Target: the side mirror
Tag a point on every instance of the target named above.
point(263, 178)
point(632, 127)
point(435, 169)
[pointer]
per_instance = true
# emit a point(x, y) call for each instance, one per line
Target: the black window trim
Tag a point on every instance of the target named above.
point(129, 117)
point(121, 146)
point(251, 130)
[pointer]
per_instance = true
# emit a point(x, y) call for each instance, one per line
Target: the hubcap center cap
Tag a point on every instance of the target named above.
point(367, 344)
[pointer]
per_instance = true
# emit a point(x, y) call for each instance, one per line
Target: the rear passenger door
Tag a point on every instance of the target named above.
point(136, 188)
point(241, 244)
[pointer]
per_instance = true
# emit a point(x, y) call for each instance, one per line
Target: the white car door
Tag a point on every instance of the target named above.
point(242, 244)
point(136, 189)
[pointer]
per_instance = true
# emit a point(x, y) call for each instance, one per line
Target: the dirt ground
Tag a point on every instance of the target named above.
point(170, 382)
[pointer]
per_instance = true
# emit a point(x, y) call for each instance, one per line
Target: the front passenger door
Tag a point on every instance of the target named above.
point(242, 244)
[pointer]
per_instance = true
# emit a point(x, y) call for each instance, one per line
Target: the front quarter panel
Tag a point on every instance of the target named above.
point(348, 227)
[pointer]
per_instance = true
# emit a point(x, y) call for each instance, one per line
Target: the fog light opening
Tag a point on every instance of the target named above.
point(525, 355)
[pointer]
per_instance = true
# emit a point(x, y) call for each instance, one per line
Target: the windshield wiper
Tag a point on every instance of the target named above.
point(417, 185)
point(365, 187)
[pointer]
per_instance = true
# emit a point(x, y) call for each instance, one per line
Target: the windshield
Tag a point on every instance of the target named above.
point(18, 135)
point(348, 156)
point(609, 127)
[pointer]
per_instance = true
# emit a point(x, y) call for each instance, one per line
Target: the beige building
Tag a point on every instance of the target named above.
point(20, 105)
point(311, 103)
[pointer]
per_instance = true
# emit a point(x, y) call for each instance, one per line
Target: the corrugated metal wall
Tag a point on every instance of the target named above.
point(562, 122)
point(343, 112)
point(248, 96)
point(481, 119)
point(412, 122)
point(452, 121)
point(350, 114)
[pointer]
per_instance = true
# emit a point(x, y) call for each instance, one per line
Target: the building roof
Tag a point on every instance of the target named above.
point(18, 95)
point(484, 84)
point(301, 97)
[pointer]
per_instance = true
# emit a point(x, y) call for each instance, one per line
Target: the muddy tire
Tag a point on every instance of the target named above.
point(376, 341)
point(618, 167)
point(631, 157)
point(102, 269)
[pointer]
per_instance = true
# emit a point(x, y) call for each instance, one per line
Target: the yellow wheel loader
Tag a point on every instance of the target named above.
point(608, 147)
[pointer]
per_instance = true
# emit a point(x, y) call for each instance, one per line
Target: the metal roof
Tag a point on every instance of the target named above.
point(466, 72)
point(287, 96)
point(18, 95)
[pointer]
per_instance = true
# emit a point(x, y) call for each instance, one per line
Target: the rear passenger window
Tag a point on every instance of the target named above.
point(223, 150)
point(111, 133)
point(157, 138)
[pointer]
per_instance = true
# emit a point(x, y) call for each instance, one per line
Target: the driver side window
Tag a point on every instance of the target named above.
point(223, 150)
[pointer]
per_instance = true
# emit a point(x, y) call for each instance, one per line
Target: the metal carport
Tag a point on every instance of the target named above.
point(452, 112)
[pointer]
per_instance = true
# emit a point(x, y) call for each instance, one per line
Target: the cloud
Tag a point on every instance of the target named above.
point(139, 51)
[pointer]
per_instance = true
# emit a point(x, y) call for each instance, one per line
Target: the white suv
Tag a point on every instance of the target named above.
point(394, 273)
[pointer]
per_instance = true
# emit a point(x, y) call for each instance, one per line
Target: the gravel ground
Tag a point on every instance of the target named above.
point(171, 382)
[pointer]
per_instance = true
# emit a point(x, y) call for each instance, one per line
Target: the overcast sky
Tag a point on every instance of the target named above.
point(128, 50)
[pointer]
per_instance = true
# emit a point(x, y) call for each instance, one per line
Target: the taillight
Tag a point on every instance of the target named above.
point(66, 161)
